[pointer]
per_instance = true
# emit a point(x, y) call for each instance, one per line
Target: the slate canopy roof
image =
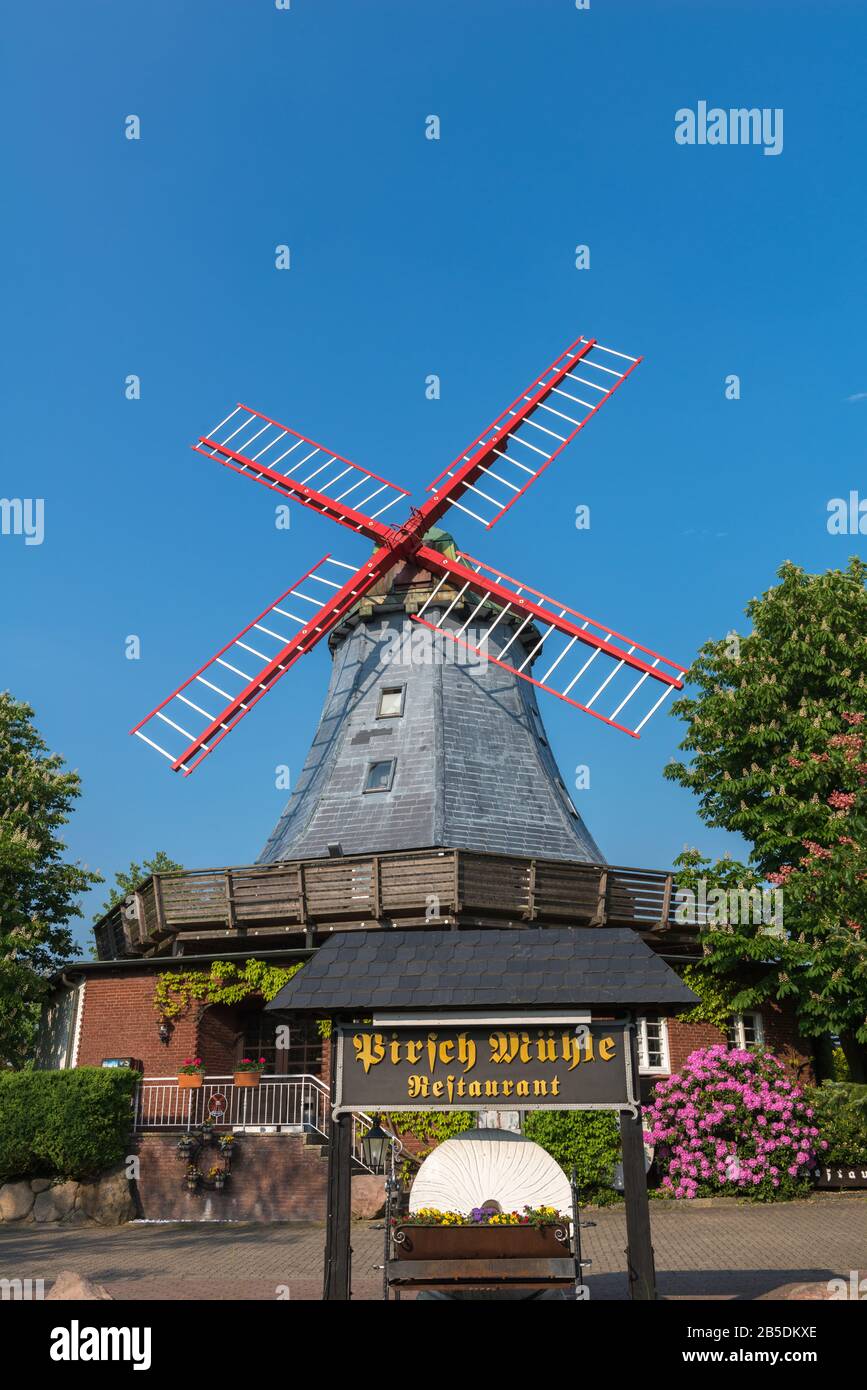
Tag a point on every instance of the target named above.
point(609, 967)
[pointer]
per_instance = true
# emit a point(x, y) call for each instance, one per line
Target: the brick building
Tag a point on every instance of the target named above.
point(430, 800)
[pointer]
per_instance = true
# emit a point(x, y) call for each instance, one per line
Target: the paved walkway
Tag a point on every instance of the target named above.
point(701, 1252)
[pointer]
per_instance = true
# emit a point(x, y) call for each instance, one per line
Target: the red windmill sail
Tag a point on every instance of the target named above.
point(584, 662)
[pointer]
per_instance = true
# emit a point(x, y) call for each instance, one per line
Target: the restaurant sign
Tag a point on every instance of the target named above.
point(507, 1067)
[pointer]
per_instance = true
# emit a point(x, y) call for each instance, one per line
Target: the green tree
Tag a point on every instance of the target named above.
point(776, 734)
point(126, 881)
point(38, 888)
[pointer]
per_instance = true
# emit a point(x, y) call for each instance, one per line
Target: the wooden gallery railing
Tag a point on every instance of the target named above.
point(413, 889)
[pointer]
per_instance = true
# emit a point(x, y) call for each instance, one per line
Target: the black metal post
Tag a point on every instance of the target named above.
point(639, 1247)
point(392, 1188)
point(338, 1254)
point(576, 1233)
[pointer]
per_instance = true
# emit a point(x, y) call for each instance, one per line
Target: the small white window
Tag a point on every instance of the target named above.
point(652, 1044)
point(745, 1031)
point(391, 702)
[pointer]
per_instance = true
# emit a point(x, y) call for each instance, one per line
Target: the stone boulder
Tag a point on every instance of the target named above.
point(77, 1218)
point(55, 1202)
point(368, 1196)
point(71, 1286)
point(108, 1200)
point(16, 1201)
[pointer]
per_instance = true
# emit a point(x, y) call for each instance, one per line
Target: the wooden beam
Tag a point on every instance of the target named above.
point(230, 901)
point(600, 916)
point(664, 923)
point(158, 904)
point(376, 886)
point(141, 935)
point(302, 894)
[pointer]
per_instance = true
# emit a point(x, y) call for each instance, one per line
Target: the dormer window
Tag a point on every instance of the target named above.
point(391, 702)
point(380, 776)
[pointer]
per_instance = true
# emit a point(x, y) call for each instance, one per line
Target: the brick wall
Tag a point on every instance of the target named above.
point(781, 1037)
point(275, 1177)
point(120, 1021)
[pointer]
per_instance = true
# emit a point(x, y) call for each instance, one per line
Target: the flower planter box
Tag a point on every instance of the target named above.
point(189, 1081)
point(481, 1242)
point(247, 1078)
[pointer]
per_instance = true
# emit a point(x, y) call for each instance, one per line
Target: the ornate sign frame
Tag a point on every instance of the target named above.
point(350, 1098)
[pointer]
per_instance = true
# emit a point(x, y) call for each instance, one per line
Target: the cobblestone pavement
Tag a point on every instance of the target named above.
point(724, 1252)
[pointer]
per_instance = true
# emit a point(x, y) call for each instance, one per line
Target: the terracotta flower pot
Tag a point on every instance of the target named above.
point(247, 1078)
point(189, 1081)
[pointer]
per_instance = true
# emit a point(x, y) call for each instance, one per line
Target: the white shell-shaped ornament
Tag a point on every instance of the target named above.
point(490, 1165)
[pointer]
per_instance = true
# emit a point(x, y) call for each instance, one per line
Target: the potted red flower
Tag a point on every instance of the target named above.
point(248, 1071)
point(190, 1075)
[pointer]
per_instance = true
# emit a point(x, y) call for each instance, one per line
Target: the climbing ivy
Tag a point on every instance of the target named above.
point(225, 983)
point(716, 993)
point(177, 990)
point(431, 1127)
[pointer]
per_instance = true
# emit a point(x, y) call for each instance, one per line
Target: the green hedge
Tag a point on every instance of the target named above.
point(587, 1139)
point(69, 1124)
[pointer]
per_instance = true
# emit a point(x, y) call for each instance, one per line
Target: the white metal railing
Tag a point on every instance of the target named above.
point(278, 1102)
point(298, 1103)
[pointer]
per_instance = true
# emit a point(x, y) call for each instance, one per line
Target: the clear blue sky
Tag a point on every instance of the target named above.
point(410, 257)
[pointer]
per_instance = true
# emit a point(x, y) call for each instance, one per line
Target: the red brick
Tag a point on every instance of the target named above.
point(275, 1177)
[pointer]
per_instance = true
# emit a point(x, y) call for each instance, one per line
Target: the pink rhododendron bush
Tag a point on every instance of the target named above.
point(731, 1122)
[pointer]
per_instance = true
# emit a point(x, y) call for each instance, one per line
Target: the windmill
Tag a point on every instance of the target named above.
point(587, 664)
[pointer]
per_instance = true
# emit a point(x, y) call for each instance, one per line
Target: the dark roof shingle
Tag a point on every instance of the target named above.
point(546, 967)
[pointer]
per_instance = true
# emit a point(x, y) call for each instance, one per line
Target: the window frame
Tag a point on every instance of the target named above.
point(645, 1068)
point(567, 799)
point(310, 1044)
point(379, 762)
point(391, 690)
point(735, 1024)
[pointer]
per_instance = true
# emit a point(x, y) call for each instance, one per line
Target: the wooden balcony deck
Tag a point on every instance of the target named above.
point(423, 888)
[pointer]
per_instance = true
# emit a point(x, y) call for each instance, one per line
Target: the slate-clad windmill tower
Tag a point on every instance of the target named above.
point(416, 748)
